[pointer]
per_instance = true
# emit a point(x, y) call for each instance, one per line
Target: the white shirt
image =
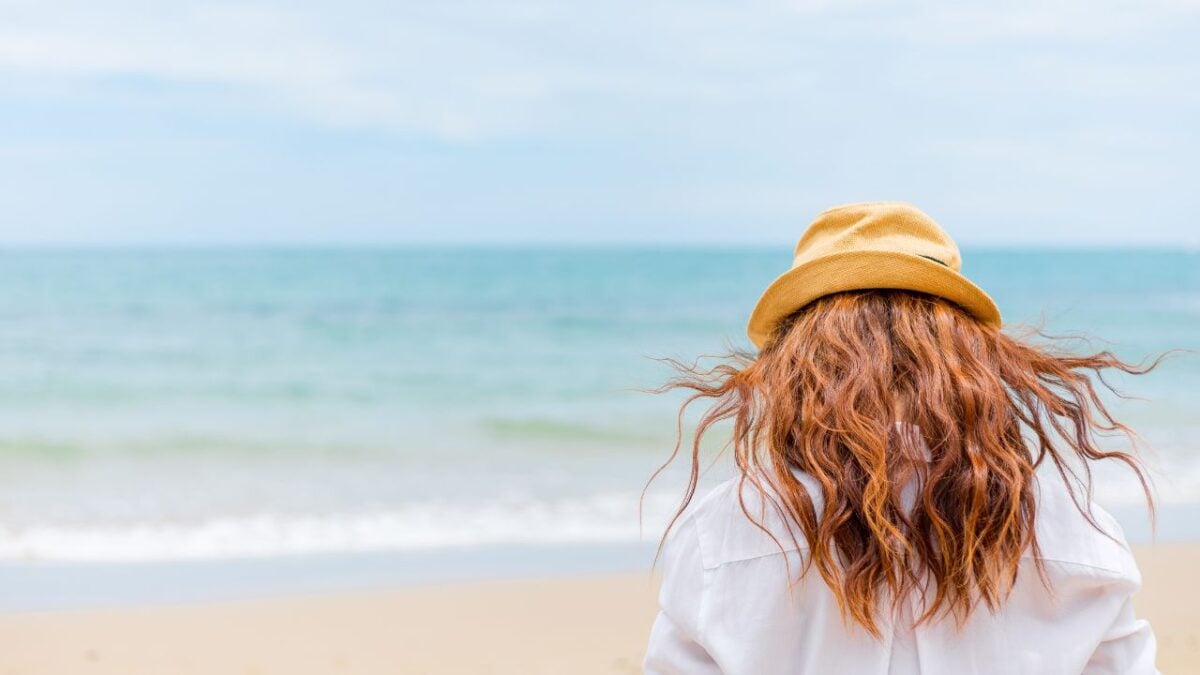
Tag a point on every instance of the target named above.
point(725, 606)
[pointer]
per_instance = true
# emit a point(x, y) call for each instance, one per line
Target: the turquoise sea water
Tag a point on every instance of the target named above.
point(209, 403)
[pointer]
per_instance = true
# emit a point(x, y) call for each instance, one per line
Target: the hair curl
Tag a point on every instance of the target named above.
point(871, 391)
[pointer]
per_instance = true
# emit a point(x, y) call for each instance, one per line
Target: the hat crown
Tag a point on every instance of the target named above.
point(893, 227)
point(871, 245)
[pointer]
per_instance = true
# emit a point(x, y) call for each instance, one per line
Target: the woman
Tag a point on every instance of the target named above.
point(913, 493)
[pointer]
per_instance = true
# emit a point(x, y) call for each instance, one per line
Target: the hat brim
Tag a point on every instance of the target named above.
point(861, 270)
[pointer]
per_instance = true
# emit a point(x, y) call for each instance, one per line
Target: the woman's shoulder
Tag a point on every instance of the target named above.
point(1074, 531)
point(742, 519)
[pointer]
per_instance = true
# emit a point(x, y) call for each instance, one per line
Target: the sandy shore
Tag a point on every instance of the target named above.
point(572, 625)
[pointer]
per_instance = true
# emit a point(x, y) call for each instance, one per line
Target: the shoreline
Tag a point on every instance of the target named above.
point(27, 585)
point(579, 624)
point(67, 586)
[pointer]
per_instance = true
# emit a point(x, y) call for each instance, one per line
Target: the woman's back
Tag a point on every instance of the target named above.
point(727, 605)
point(914, 481)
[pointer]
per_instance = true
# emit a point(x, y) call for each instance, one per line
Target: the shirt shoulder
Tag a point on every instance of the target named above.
point(1076, 532)
point(737, 520)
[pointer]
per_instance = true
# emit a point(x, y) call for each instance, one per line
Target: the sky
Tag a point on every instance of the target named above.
point(626, 121)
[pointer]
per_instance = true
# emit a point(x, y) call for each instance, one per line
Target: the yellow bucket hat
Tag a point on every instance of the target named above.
point(869, 245)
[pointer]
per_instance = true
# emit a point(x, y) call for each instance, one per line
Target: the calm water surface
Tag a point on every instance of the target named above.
point(181, 404)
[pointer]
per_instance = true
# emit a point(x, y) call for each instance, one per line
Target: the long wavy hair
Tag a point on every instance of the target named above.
point(871, 391)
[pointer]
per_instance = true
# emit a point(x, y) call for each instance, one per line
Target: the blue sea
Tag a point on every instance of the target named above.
point(240, 404)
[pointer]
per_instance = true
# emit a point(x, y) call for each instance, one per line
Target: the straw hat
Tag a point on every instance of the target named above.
point(869, 245)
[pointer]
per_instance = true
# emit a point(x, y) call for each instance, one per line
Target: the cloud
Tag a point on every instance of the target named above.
point(462, 70)
point(444, 115)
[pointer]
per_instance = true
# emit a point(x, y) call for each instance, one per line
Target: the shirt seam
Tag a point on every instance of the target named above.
point(705, 578)
point(1111, 571)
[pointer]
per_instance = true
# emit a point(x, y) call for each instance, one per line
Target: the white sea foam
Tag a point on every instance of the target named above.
point(611, 518)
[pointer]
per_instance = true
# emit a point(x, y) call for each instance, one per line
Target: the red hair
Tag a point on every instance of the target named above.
point(870, 391)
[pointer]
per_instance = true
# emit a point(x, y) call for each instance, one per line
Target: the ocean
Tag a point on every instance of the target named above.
point(236, 404)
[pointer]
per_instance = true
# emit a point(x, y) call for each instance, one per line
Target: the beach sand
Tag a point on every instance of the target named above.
point(560, 625)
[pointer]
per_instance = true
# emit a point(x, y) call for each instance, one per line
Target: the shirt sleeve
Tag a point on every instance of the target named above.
point(1128, 646)
point(676, 643)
